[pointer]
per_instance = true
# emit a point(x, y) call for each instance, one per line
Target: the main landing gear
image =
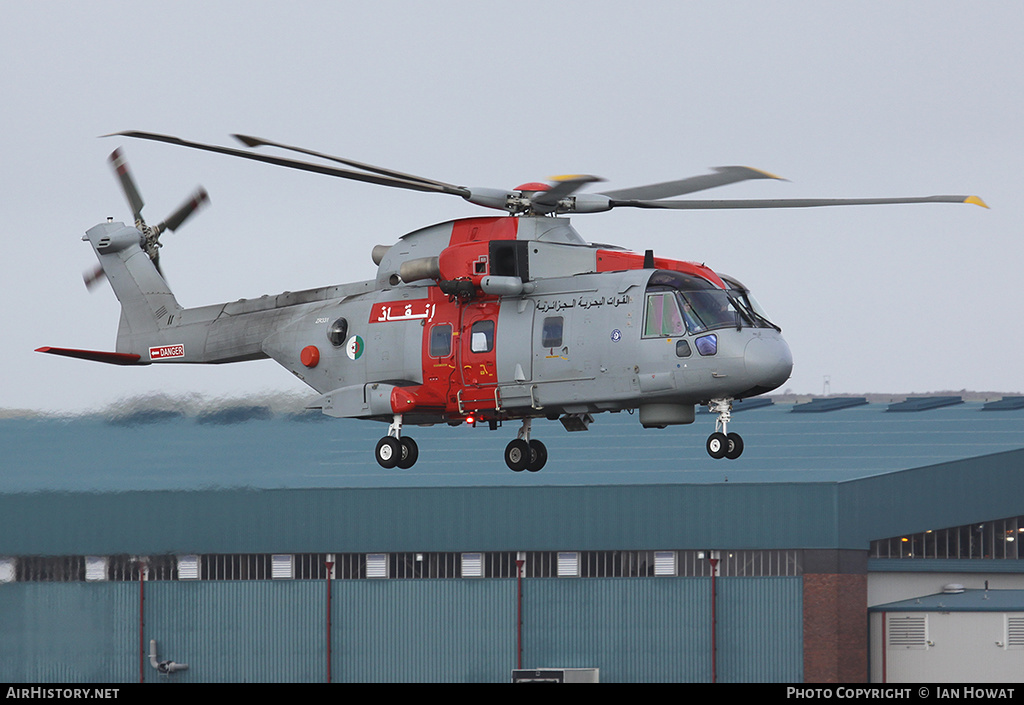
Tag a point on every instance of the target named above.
point(722, 444)
point(395, 451)
point(525, 453)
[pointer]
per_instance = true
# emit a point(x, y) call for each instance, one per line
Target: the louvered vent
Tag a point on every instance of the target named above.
point(472, 565)
point(161, 312)
point(188, 567)
point(8, 570)
point(908, 632)
point(664, 563)
point(282, 567)
point(376, 565)
point(568, 565)
point(1014, 632)
point(95, 568)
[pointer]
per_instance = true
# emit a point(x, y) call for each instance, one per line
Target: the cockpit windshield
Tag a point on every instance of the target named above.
point(679, 303)
point(742, 293)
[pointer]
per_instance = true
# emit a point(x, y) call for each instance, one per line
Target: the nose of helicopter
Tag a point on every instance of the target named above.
point(768, 362)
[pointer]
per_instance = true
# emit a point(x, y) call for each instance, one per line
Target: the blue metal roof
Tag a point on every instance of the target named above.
point(256, 449)
point(816, 406)
point(966, 601)
point(924, 403)
point(171, 483)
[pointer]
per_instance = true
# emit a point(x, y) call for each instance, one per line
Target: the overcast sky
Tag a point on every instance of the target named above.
point(842, 99)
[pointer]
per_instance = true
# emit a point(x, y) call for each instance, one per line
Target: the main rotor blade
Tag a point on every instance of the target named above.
point(175, 219)
point(302, 166)
point(723, 175)
point(127, 183)
point(794, 202)
point(249, 141)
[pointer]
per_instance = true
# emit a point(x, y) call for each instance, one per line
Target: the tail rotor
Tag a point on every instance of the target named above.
point(149, 235)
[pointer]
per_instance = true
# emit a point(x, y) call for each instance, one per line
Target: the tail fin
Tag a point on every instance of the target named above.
point(147, 304)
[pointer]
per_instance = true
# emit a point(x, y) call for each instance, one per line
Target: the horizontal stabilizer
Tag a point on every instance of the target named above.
point(111, 358)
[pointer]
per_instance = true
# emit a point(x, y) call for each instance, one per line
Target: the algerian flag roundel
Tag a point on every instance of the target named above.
point(354, 347)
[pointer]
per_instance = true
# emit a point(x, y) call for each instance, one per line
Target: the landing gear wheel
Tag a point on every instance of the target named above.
point(389, 451)
point(717, 445)
point(518, 455)
point(734, 446)
point(409, 453)
point(538, 456)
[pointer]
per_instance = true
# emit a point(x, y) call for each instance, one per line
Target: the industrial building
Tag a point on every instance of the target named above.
point(852, 541)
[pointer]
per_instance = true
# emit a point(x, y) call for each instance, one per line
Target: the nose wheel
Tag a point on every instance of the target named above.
point(721, 443)
point(395, 451)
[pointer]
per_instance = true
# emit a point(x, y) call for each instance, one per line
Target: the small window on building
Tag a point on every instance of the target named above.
point(441, 340)
point(482, 337)
point(551, 332)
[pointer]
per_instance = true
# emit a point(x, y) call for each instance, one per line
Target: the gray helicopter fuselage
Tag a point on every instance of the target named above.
point(545, 334)
point(572, 344)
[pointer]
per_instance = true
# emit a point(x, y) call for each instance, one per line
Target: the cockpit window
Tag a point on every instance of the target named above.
point(711, 308)
point(663, 316)
point(699, 304)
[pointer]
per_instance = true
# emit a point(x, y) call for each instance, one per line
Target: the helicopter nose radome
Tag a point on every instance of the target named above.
point(768, 361)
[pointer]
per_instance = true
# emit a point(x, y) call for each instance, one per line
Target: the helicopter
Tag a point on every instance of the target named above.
point(479, 320)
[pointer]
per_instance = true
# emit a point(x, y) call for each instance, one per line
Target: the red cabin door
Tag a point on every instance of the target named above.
point(478, 357)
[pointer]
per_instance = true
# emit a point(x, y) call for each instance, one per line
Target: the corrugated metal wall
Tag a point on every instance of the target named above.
point(759, 619)
point(633, 629)
point(69, 632)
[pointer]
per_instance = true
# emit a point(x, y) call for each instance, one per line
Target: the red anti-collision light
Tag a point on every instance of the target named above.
point(310, 356)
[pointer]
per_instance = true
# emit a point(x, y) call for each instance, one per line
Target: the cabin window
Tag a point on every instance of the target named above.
point(551, 332)
point(683, 349)
point(441, 340)
point(337, 332)
point(482, 337)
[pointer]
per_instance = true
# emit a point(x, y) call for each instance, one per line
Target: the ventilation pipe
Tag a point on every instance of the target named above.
point(164, 667)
